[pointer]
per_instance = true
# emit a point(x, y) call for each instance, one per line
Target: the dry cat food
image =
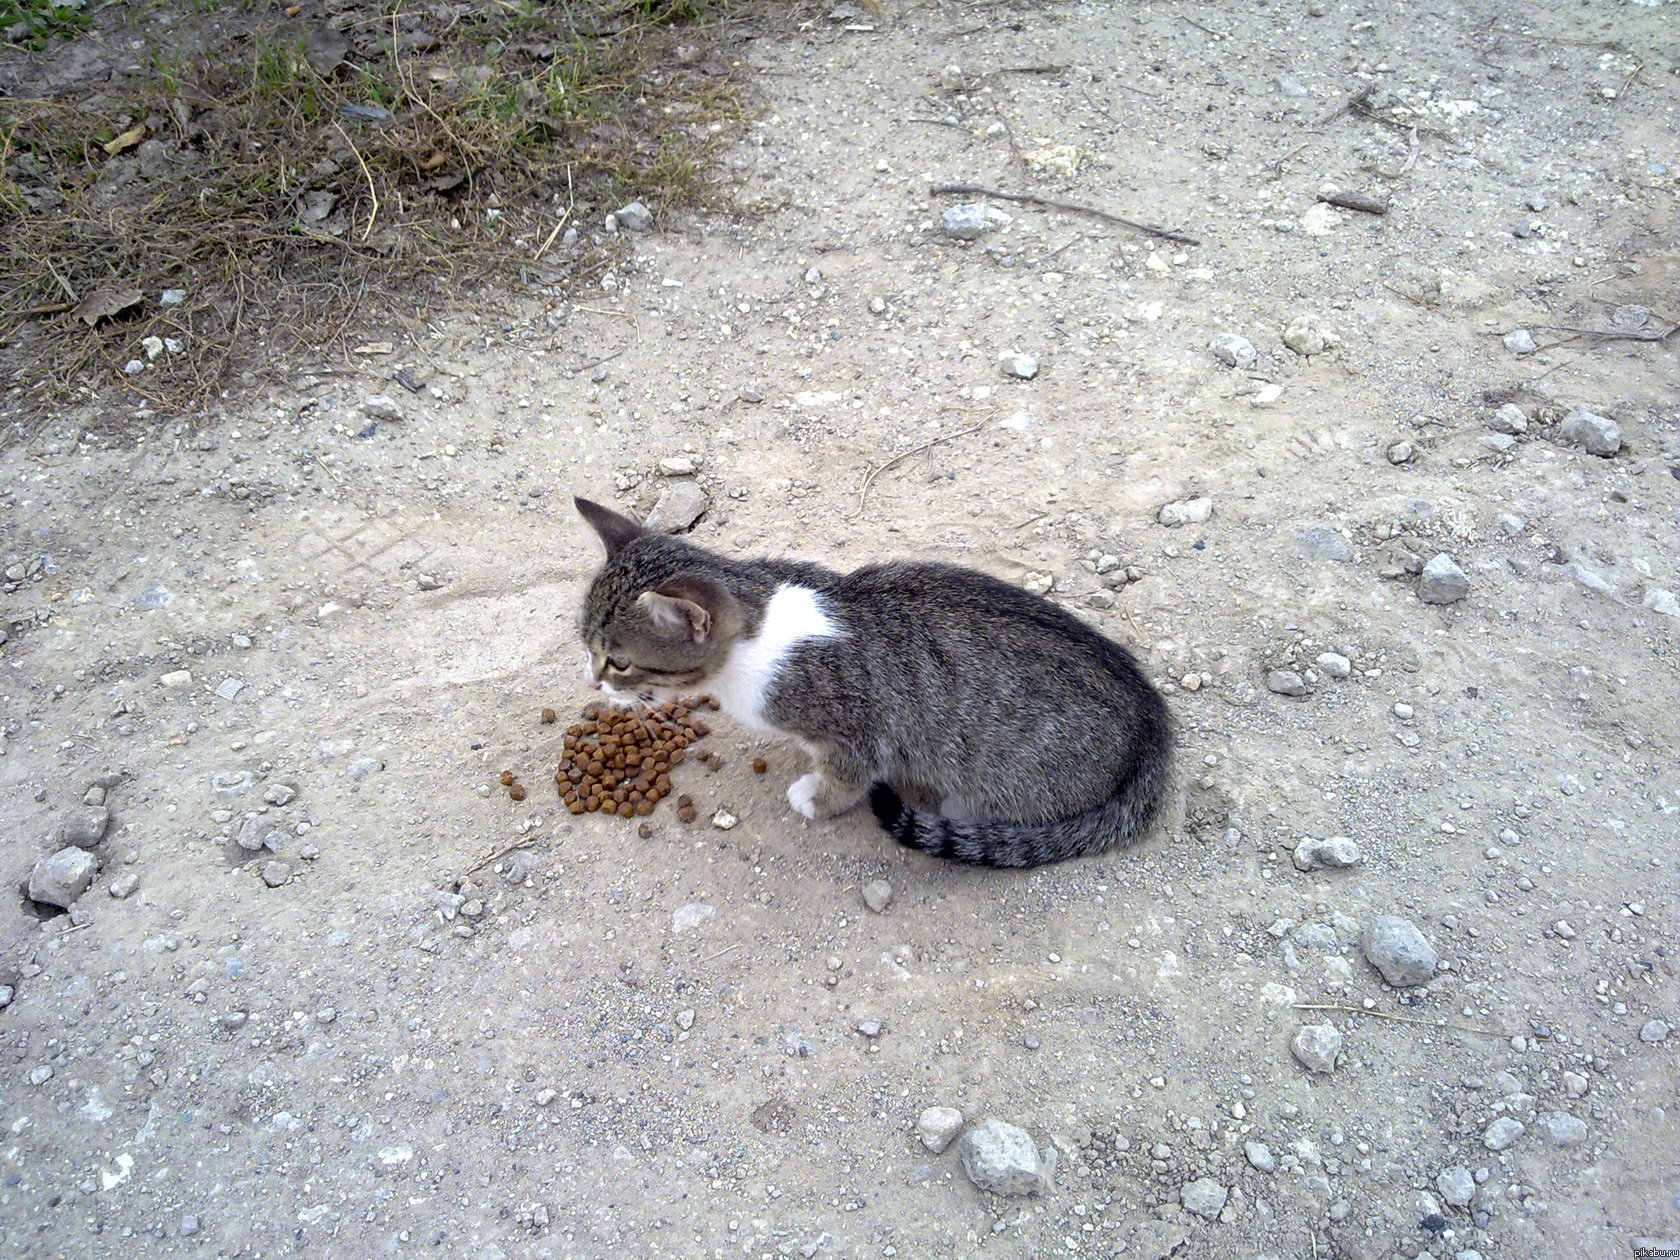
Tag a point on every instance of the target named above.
point(618, 761)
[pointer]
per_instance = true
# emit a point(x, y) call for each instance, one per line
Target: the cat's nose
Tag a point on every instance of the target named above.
point(594, 686)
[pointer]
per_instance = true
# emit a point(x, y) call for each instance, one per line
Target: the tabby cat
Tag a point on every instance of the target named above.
point(984, 724)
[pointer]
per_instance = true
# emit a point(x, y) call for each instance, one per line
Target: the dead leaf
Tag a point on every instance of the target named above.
point(133, 136)
point(103, 303)
point(375, 347)
point(432, 161)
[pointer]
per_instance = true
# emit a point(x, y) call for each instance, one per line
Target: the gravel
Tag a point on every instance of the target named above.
point(1204, 1196)
point(1315, 1047)
point(937, 1127)
point(1397, 949)
point(1443, 582)
point(59, 878)
point(1457, 1186)
point(1185, 512)
point(1001, 1157)
point(972, 220)
point(1598, 434)
point(1502, 1132)
point(85, 827)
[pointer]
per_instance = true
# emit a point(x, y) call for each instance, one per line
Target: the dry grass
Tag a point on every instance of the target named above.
point(249, 175)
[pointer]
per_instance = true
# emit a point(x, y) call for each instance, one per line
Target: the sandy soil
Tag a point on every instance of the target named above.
point(601, 1045)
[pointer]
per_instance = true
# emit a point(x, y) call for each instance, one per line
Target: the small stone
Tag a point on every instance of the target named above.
point(1443, 582)
point(1334, 664)
point(383, 407)
point(40, 1074)
point(189, 1225)
point(678, 466)
point(870, 1028)
point(1499, 443)
point(1652, 1031)
point(1574, 1084)
point(7, 993)
point(938, 1127)
point(685, 1019)
point(687, 918)
point(1403, 711)
point(1457, 1186)
point(723, 820)
point(1397, 949)
point(85, 827)
point(1285, 682)
point(1324, 544)
point(1510, 524)
point(176, 678)
point(972, 220)
point(634, 217)
point(1339, 851)
point(1266, 395)
point(229, 688)
point(279, 794)
point(59, 878)
point(1000, 1157)
point(1561, 1129)
point(1402, 453)
point(877, 305)
point(1598, 434)
point(363, 767)
point(1260, 1156)
point(124, 885)
point(1520, 341)
point(680, 504)
point(1315, 1047)
point(1509, 419)
point(276, 874)
point(95, 795)
point(1307, 337)
point(1661, 601)
point(748, 394)
point(1185, 512)
point(878, 895)
point(1204, 1196)
point(1023, 367)
point(1502, 1132)
point(1233, 351)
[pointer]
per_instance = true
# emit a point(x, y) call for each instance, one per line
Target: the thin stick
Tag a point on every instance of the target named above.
point(1208, 29)
point(558, 224)
point(1031, 199)
point(1403, 1019)
point(863, 493)
point(1615, 335)
point(523, 842)
point(1628, 82)
point(51, 308)
point(367, 175)
point(727, 949)
point(328, 467)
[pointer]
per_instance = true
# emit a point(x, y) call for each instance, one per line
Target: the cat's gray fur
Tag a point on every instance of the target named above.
point(941, 686)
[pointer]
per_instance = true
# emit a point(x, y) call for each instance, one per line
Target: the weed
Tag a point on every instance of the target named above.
point(33, 23)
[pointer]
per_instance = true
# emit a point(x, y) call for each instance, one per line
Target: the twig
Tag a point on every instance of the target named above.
point(328, 467)
point(936, 122)
point(1628, 82)
point(727, 949)
point(1354, 201)
point(1050, 69)
point(863, 492)
point(1036, 516)
point(524, 842)
point(1208, 29)
point(1031, 199)
point(1352, 102)
point(1404, 1019)
point(1615, 334)
point(62, 283)
point(51, 308)
point(367, 175)
point(558, 224)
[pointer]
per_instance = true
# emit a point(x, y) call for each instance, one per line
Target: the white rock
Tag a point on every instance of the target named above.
point(383, 407)
point(1023, 367)
point(972, 220)
point(1315, 1047)
point(1185, 512)
point(1205, 1197)
point(1598, 434)
point(1457, 1186)
point(1334, 664)
point(937, 1127)
point(678, 466)
point(1502, 1132)
point(175, 678)
point(1233, 350)
point(1661, 601)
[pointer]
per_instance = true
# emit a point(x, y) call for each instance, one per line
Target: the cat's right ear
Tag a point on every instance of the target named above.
point(614, 528)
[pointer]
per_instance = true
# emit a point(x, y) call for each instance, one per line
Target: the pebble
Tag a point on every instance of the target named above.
point(1561, 1129)
point(685, 1018)
point(1324, 544)
point(1574, 1084)
point(384, 407)
point(59, 878)
point(1509, 419)
point(870, 1028)
point(1652, 1031)
point(877, 305)
point(85, 827)
point(40, 1075)
point(1260, 1156)
point(1334, 664)
point(1520, 341)
point(680, 504)
point(1397, 949)
point(634, 217)
point(1023, 367)
point(1233, 351)
point(1457, 1186)
point(972, 220)
point(1336, 851)
point(7, 993)
point(276, 874)
point(1443, 582)
point(1510, 524)
point(1306, 337)
point(878, 895)
point(1315, 1047)
point(362, 767)
point(1285, 682)
point(1660, 601)
point(937, 1127)
point(723, 820)
point(229, 688)
point(748, 394)
point(124, 885)
point(1204, 1196)
point(1598, 434)
point(175, 678)
point(687, 918)
point(1001, 1157)
point(678, 466)
point(1185, 512)
point(1501, 443)
point(1502, 1132)
point(280, 794)
point(95, 795)
point(1402, 453)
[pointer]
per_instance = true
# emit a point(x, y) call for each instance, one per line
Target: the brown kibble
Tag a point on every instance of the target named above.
point(760, 765)
point(643, 809)
point(627, 810)
point(507, 778)
point(517, 791)
point(686, 801)
point(549, 717)
point(686, 813)
point(576, 807)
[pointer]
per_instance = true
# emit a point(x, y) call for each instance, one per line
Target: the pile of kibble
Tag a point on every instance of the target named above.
point(618, 761)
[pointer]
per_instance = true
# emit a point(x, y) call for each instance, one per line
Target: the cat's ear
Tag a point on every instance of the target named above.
point(694, 608)
point(614, 528)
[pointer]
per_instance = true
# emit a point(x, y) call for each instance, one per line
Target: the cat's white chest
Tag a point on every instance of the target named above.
point(794, 615)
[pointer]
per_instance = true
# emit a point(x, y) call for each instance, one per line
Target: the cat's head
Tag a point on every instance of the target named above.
point(656, 624)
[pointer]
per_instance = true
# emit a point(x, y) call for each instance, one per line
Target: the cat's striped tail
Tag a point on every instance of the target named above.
point(1122, 818)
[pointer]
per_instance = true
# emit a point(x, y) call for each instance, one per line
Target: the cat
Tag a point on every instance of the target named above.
point(983, 723)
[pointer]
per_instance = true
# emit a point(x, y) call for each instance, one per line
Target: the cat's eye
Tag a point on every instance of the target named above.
point(619, 663)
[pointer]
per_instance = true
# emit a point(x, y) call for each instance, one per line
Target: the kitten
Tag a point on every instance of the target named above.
point(984, 724)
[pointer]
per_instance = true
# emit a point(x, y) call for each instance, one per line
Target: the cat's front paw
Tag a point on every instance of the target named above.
point(802, 794)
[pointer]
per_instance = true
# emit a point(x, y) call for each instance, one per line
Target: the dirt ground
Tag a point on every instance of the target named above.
point(327, 631)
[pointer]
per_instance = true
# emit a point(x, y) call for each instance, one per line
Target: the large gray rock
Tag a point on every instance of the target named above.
point(1457, 1187)
point(1000, 1157)
point(634, 217)
point(1600, 435)
point(1205, 1197)
point(85, 826)
point(1562, 1129)
point(59, 878)
point(680, 504)
point(1502, 1132)
point(1397, 949)
point(1316, 1046)
point(1443, 582)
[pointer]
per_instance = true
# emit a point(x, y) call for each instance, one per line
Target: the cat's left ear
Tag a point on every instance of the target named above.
point(614, 528)
point(694, 608)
